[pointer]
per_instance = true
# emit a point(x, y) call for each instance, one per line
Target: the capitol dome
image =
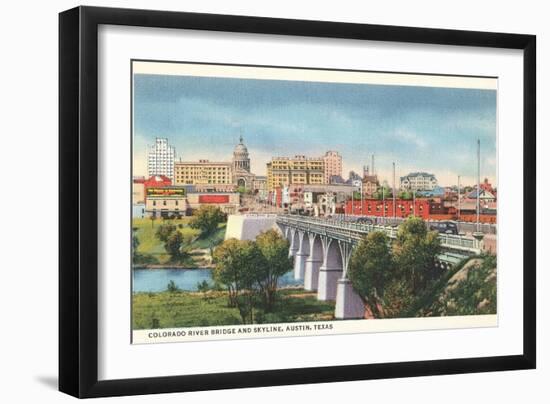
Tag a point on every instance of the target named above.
point(240, 148)
point(241, 160)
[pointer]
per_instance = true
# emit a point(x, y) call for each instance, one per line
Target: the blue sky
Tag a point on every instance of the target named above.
point(420, 128)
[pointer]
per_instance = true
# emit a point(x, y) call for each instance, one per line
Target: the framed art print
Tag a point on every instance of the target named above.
point(297, 201)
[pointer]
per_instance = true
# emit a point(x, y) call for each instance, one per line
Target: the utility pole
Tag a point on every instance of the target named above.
point(393, 190)
point(478, 181)
point(352, 201)
point(458, 193)
point(361, 188)
point(478, 235)
point(345, 201)
point(414, 201)
point(383, 201)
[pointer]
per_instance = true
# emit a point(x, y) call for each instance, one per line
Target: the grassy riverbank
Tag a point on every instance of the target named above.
point(152, 249)
point(192, 309)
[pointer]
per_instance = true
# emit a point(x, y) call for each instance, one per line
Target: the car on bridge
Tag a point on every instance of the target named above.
point(444, 227)
point(364, 220)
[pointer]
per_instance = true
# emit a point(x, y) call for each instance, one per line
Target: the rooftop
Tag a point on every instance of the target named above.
point(418, 174)
point(204, 162)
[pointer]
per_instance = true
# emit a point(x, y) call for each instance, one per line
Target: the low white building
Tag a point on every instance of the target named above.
point(308, 199)
point(419, 181)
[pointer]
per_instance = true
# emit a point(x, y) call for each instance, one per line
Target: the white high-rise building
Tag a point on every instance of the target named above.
point(160, 159)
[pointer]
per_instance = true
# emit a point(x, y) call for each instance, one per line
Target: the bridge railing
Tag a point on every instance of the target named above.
point(355, 231)
point(465, 227)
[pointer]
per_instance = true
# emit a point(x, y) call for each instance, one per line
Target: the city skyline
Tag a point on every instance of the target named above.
point(204, 117)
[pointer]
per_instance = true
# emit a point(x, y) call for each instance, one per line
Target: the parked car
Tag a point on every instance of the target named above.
point(364, 220)
point(445, 227)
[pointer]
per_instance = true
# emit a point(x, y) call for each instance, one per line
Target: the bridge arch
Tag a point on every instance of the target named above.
point(294, 242)
point(301, 255)
point(313, 262)
point(285, 230)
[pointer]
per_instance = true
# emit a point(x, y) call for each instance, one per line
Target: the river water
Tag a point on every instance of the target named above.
point(156, 280)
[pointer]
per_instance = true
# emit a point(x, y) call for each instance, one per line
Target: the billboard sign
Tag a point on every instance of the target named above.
point(165, 191)
point(213, 198)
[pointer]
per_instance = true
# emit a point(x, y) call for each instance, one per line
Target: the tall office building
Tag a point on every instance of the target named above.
point(203, 172)
point(160, 159)
point(300, 169)
point(333, 165)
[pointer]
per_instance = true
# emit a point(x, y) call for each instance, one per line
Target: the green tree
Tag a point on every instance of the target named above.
point(245, 191)
point(135, 245)
point(226, 271)
point(415, 250)
point(252, 262)
point(164, 231)
point(371, 270)
point(406, 195)
point(173, 246)
point(383, 192)
point(274, 249)
point(206, 219)
point(237, 267)
point(398, 296)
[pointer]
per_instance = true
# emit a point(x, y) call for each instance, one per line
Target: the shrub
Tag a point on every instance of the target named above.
point(172, 287)
point(164, 231)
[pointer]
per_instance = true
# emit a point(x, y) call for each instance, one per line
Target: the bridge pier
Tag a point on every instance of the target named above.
point(299, 265)
point(330, 271)
point(301, 255)
point(293, 236)
point(328, 283)
point(311, 274)
point(348, 303)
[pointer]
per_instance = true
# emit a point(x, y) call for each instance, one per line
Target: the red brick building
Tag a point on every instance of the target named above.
point(404, 208)
point(434, 209)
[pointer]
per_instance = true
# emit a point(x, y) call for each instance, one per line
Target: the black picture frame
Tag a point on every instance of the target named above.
point(78, 195)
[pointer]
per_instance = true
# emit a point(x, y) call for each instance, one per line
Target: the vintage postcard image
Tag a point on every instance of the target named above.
point(282, 202)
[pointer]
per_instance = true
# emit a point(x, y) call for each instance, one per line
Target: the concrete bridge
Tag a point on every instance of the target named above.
point(322, 250)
